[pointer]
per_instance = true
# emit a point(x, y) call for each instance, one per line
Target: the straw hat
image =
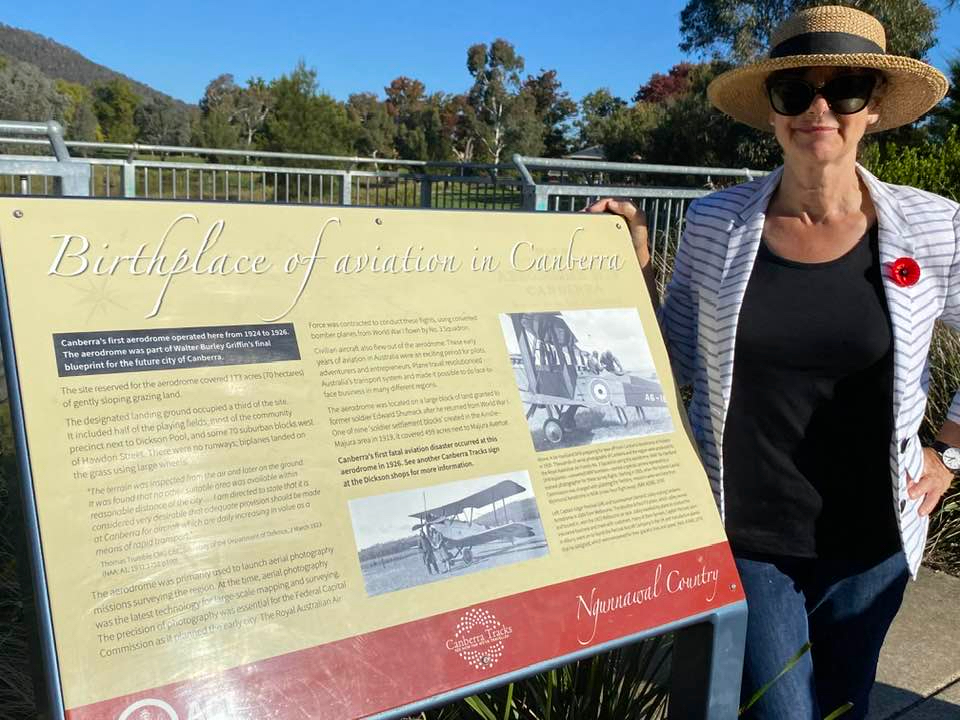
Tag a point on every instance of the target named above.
point(832, 36)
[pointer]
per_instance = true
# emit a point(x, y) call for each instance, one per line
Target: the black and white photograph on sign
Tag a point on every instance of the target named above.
point(420, 536)
point(585, 376)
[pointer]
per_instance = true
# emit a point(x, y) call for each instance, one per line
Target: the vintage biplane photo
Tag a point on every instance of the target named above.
point(419, 536)
point(585, 376)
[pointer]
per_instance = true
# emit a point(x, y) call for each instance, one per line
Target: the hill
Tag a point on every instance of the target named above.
point(57, 61)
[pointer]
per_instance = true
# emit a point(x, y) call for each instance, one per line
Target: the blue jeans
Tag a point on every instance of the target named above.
point(844, 612)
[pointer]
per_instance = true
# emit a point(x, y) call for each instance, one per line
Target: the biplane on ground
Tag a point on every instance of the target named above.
point(453, 532)
point(555, 374)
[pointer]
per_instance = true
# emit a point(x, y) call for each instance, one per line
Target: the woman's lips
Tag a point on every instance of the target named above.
point(817, 129)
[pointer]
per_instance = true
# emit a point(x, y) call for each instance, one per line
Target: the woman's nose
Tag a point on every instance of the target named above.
point(819, 105)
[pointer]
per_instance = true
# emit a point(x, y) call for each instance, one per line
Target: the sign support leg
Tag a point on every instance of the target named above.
point(707, 664)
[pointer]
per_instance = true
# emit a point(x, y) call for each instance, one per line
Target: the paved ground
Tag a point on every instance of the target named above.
point(919, 673)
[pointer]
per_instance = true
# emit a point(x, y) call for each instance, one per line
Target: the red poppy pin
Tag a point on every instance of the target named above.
point(905, 271)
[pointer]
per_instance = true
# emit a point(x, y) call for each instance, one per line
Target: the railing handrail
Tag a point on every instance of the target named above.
point(52, 129)
point(524, 162)
point(131, 149)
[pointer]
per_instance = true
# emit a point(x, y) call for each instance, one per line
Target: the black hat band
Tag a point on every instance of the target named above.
point(825, 43)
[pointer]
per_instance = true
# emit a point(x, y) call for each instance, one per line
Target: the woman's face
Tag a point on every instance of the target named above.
point(818, 134)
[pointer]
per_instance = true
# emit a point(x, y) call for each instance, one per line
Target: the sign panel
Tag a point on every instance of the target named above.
point(330, 462)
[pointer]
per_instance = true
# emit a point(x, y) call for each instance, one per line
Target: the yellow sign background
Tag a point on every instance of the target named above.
point(42, 303)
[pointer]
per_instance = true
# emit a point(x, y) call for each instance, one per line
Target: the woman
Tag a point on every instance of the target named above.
point(801, 309)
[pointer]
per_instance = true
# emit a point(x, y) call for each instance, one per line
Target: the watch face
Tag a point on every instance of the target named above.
point(951, 458)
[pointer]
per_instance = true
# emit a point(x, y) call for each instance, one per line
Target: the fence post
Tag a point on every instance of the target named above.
point(426, 191)
point(346, 188)
point(129, 179)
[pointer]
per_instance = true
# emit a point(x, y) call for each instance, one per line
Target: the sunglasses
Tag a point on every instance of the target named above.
point(845, 94)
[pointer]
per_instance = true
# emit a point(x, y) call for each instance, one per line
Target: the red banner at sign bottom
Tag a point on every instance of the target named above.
point(390, 668)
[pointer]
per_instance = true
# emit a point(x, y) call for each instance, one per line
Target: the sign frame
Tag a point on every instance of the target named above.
point(707, 651)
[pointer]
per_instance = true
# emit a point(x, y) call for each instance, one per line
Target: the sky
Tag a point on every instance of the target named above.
point(615, 329)
point(360, 48)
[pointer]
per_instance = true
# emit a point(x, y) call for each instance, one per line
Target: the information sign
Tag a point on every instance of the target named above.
point(333, 462)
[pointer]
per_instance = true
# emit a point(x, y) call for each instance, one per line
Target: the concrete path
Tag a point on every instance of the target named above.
point(919, 673)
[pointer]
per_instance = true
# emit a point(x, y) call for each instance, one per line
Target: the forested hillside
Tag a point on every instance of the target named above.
point(57, 61)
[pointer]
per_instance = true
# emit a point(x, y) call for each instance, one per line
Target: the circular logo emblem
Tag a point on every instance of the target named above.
point(479, 638)
point(149, 709)
point(600, 391)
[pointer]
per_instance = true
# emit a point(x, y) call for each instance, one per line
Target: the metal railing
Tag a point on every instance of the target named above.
point(173, 172)
point(663, 192)
point(227, 175)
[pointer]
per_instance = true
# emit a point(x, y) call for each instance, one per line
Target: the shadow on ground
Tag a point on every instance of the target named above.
point(888, 702)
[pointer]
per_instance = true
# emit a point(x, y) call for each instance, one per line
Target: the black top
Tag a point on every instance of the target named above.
point(807, 437)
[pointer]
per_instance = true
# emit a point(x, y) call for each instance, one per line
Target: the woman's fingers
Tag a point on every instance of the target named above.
point(932, 483)
point(636, 223)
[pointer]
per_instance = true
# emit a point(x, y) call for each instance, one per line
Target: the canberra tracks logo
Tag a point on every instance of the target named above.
point(149, 709)
point(479, 638)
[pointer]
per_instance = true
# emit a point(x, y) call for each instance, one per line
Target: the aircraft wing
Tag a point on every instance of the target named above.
point(502, 532)
point(503, 489)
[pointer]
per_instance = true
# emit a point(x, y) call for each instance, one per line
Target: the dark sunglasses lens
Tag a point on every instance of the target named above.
point(790, 97)
point(849, 94)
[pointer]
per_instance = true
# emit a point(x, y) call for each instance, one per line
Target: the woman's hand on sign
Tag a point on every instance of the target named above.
point(636, 222)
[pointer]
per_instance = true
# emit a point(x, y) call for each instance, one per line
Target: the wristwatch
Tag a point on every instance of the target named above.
point(949, 455)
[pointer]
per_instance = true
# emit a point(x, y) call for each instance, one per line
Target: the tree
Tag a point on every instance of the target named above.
point(947, 114)
point(692, 132)
point(376, 130)
point(461, 127)
point(740, 30)
point(662, 87)
point(406, 103)
point(506, 117)
point(595, 108)
point(115, 104)
point(161, 122)
point(79, 118)
point(215, 127)
point(233, 116)
point(304, 120)
point(27, 94)
point(554, 108)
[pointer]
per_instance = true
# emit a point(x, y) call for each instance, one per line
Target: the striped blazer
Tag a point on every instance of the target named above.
point(702, 305)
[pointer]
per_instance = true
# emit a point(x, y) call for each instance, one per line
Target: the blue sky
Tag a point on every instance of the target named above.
point(179, 46)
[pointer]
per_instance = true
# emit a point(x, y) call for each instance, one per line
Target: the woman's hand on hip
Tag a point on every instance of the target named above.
point(932, 483)
point(636, 222)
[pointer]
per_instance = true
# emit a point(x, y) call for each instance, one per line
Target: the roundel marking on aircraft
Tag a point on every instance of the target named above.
point(599, 391)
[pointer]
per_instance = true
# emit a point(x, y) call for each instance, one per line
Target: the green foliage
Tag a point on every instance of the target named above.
point(740, 29)
point(304, 120)
point(595, 109)
point(115, 104)
point(506, 118)
point(947, 115)
point(933, 166)
point(79, 118)
point(419, 129)
point(232, 116)
point(627, 683)
point(553, 108)
point(160, 121)
point(377, 131)
point(693, 132)
point(26, 94)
